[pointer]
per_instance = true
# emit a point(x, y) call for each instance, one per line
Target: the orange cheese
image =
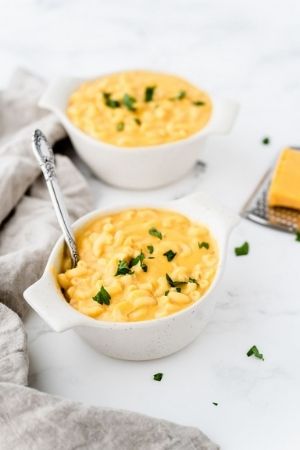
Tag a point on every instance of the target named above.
point(285, 185)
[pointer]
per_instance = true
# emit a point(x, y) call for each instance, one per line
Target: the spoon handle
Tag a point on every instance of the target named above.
point(44, 154)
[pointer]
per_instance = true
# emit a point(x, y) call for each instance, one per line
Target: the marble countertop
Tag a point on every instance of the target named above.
point(251, 53)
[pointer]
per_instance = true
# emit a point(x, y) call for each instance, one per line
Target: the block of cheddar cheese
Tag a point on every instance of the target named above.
point(285, 184)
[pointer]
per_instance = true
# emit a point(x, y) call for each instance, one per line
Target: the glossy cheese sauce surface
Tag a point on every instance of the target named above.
point(139, 108)
point(139, 264)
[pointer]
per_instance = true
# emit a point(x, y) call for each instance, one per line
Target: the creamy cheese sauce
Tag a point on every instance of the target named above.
point(139, 264)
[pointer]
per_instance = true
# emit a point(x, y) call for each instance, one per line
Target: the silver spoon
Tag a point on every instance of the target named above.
point(44, 154)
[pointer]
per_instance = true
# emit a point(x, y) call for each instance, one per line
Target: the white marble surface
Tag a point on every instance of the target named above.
point(250, 52)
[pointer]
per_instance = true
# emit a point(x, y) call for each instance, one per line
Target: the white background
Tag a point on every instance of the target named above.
point(248, 51)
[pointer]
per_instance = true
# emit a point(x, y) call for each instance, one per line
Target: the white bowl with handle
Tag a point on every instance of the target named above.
point(136, 167)
point(147, 339)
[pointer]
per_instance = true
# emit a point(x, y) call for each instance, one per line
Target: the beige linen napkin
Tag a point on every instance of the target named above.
point(31, 420)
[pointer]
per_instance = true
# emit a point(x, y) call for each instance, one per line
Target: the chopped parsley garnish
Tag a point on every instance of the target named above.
point(166, 292)
point(137, 121)
point(203, 245)
point(178, 289)
point(158, 376)
point(215, 403)
point(102, 297)
point(192, 280)
point(297, 236)
point(149, 92)
point(120, 126)
point(255, 352)
point(138, 259)
point(265, 141)
point(181, 95)
point(173, 283)
point(242, 250)
point(150, 249)
point(170, 255)
point(109, 101)
point(154, 232)
point(199, 103)
point(123, 268)
point(129, 102)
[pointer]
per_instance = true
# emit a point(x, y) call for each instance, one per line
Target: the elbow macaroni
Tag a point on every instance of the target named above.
point(177, 110)
point(142, 294)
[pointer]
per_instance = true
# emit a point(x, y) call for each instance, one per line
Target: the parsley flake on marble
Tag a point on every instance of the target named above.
point(158, 376)
point(266, 141)
point(253, 351)
point(242, 250)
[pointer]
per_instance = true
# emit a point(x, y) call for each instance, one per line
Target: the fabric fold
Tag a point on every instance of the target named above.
point(28, 224)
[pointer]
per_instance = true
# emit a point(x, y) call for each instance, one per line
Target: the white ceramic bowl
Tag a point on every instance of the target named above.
point(136, 167)
point(135, 340)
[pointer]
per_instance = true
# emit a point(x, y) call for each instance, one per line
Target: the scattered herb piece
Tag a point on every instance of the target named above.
point(173, 283)
point(123, 268)
point(150, 249)
point(102, 297)
point(149, 92)
point(192, 280)
point(181, 95)
point(151, 257)
point(199, 103)
point(203, 245)
point(138, 259)
point(242, 250)
point(129, 102)
point(178, 289)
point(109, 101)
point(120, 126)
point(297, 236)
point(170, 255)
point(137, 121)
point(158, 376)
point(215, 403)
point(255, 352)
point(154, 232)
point(265, 141)
point(166, 292)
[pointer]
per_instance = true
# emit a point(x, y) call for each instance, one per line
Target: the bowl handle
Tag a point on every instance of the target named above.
point(223, 117)
point(47, 300)
point(207, 207)
point(57, 93)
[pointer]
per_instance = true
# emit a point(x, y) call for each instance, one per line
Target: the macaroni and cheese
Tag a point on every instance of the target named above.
point(139, 108)
point(139, 264)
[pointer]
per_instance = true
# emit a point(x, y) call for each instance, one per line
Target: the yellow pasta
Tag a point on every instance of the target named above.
point(139, 108)
point(160, 270)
